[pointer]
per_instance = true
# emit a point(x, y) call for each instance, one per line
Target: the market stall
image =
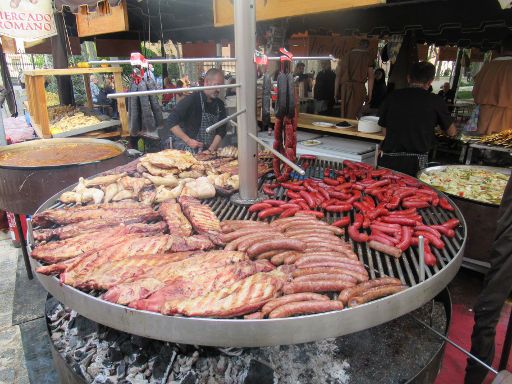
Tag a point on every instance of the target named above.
point(68, 121)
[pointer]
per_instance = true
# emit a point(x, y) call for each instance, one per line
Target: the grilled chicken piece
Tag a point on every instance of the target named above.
point(202, 282)
point(62, 250)
point(171, 158)
point(134, 184)
point(151, 282)
point(175, 219)
point(89, 226)
point(103, 180)
point(200, 189)
point(97, 211)
point(245, 296)
point(168, 181)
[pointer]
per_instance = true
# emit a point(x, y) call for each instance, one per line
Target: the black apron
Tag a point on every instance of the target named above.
point(207, 120)
point(408, 163)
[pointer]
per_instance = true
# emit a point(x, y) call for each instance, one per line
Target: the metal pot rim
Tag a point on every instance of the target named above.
point(505, 171)
point(31, 143)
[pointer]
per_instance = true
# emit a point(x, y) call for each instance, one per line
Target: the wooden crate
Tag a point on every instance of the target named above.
point(36, 95)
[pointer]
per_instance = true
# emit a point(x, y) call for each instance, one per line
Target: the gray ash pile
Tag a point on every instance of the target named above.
point(392, 353)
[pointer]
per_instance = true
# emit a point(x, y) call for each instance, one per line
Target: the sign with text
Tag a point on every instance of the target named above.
point(27, 19)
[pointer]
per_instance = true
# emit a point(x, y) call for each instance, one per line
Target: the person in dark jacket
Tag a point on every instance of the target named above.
point(192, 115)
point(380, 89)
point(324, 89)
point(409, 116)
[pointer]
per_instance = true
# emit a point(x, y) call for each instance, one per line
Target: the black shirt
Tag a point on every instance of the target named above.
point(409, 116)
point(324, 85)
point(187, 114)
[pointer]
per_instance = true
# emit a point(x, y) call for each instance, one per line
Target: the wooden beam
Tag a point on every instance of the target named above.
point(277, 9)
point(71, 71)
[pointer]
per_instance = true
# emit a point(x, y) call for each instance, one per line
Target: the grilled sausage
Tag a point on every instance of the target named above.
point(305, 307)
point(327, 276)
point(267, 255)
point(309, 258)
point(291, 259)
point(348, 293)
point(385, 248)
point(316, 286)
point(276, 244)
point(331, 263)
point(254, 316)
point(273, 304)
point(247, 243)
point(346, 256)
point(228, 237)
point(375, 293)
point(233, 245)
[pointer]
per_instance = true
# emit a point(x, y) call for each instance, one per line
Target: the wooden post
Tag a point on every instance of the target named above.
point(87, 85)
point(121, 104)
point(41, 110)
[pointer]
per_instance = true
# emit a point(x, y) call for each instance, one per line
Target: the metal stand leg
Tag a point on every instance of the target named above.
point(506, 345)
point(469, 156)
point(23, 246)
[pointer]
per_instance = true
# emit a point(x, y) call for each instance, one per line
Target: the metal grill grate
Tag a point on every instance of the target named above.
point(406, 268)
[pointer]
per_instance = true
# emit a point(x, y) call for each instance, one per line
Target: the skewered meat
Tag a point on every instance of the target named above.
point(100, 211)
point(82, 244)
point(88, 226)
point(245, 296)
point(204, 281)
point(144, 286)
point(176, 220)
point(202, 218)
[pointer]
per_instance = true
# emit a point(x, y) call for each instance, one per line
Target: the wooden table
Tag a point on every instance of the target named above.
point(306, 121)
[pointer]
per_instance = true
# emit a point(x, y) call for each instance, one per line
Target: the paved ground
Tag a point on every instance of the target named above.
point(25, 356)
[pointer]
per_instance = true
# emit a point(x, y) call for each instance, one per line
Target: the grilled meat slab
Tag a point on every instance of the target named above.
point(240, 298)
point(176, 220)
point(113, 272)
point(62, 250)
point(202, 218)
point(88, 226)
point(144, 286)
point(98, 212)
point(200, 283)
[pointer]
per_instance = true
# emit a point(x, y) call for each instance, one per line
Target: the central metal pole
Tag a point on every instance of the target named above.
point(245, 44)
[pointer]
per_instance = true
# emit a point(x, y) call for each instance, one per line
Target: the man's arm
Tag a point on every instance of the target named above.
point(215, 143)
point(452, 130)
point(176, 130)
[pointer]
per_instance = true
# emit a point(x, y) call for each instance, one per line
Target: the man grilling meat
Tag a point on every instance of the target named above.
point(409, 116)
point(192, 115)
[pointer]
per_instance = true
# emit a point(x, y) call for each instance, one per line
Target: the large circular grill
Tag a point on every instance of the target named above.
point(268, 332)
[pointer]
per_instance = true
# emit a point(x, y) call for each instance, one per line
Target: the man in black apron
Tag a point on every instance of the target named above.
point(196, 112)
point(497, 286)
point(409, 117)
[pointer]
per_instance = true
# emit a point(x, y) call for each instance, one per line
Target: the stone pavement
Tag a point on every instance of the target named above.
point(25, 355)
